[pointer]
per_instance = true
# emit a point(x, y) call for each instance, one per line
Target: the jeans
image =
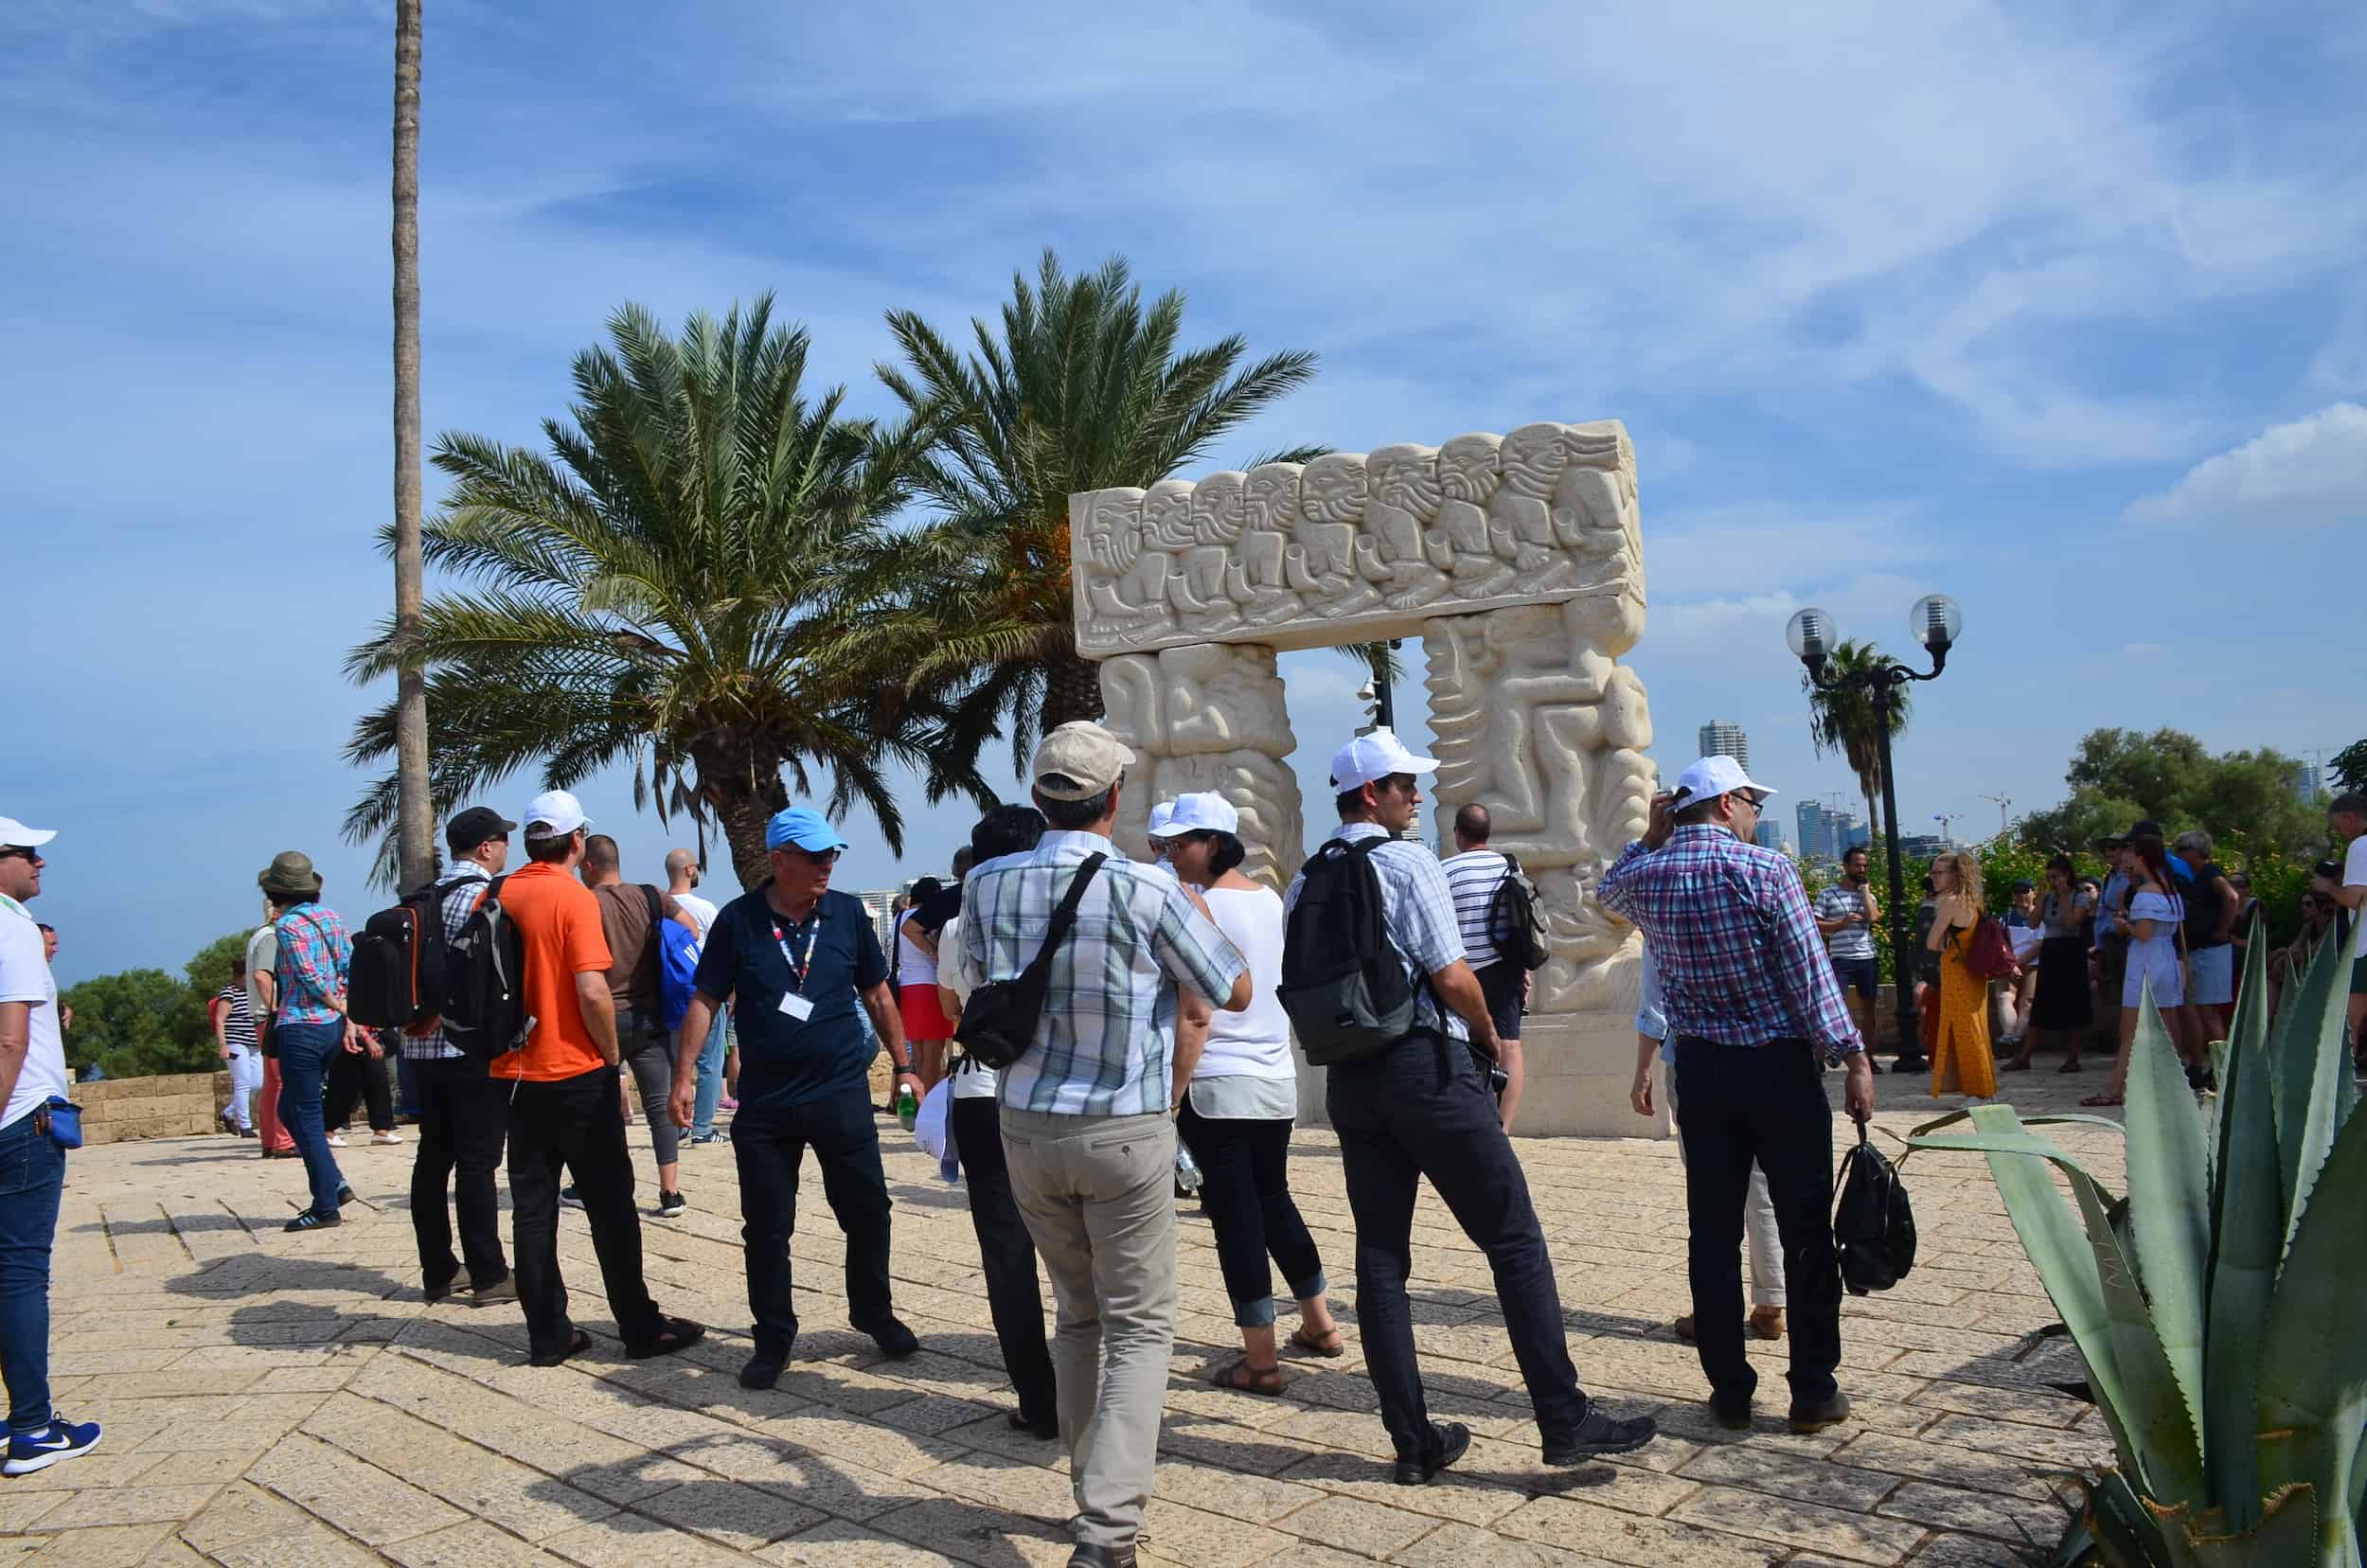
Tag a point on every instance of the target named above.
point(463, 1122)
point(711, 1057)
point(578, 1123)
point(1764, 1104)
point(768, 1146)
point(407, 1087)
point(1422, 1109)
point(354, 1078)
point(649, 1057)
point(1098, 1195)
point(306, 1054)
point(32, 1178)
point(1008, 1258)
point(1245, 1169)
point(246, 1076)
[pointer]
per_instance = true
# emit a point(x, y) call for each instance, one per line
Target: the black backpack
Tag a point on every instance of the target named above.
point(999, 1021)
point(1514, 923)
point(1342, 982)
point(395, 980)
point(485, 1001)
point(1872, 1225)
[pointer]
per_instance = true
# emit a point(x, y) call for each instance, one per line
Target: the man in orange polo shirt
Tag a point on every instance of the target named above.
point(565, 1108)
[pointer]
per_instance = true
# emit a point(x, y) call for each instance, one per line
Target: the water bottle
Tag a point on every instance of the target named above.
point(907, 1108)
point(1188, 1177)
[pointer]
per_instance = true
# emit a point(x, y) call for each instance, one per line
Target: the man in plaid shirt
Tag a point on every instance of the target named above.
point(1087, 1126)
point(463, 1120)
point(1751, 998)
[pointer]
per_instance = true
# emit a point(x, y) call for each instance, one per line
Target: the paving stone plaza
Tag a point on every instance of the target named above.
point(290, 1400)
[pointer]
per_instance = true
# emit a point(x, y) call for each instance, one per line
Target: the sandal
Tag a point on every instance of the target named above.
point(2070, 1066)
point(576, 1346)
point(1242, 1377)
point(2101, 1101)
point(673, 1334)
point(1328, 1345)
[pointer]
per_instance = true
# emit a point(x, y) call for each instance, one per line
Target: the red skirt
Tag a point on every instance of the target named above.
point(924, 1015)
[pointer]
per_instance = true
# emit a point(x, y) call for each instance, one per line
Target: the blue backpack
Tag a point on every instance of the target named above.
point(677, 962)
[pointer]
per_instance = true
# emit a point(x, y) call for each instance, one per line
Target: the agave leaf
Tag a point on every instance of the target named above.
point(2169, 1201)
point(2151, 1403)
point(2050, 1119)
point(2286, 1535)
point(2122, 1524)
point(2243, 1277)
point(2307, 1060)
point(2003, 1143)
point(2313, 1368)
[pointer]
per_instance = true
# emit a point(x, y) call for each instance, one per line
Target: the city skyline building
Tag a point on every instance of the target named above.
point(1724, 737)
point(2307, 785)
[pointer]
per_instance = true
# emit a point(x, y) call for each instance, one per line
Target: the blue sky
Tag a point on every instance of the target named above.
point(2056, 309)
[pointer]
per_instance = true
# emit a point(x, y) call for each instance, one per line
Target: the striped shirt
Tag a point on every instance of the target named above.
point(1472, 878)
point(1417, 913)
point(239, 1031)
point(466, 890)
point(1105, 1044)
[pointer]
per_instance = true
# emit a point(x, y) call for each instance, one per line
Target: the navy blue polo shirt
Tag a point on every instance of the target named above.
point(786, 1061)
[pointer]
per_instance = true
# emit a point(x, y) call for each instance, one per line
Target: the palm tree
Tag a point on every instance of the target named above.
point(412, 811)
point(1842, 719)
point(1082, 390)
point(663, 589)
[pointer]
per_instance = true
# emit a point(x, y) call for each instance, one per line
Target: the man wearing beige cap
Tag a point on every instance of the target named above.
point(1087, 1109)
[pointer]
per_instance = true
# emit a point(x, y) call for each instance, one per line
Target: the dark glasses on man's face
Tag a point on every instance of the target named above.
point(13, 851)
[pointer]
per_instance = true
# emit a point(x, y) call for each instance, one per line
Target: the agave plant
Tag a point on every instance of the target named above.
point(2217, 1309)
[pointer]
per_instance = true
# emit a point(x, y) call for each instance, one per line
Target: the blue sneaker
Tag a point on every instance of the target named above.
point(38, 1450)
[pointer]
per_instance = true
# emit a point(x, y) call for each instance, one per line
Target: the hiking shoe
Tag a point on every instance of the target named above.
point(761, 1371)
point(1597, 1436)
point(389, 1136)
point(893, 1340)
point(312, 1220)
point(37, 1450)
point(568, 1196)
point(1454, 1441)
point(671, 1206)
point(1808, 1419)
point(505, 1288)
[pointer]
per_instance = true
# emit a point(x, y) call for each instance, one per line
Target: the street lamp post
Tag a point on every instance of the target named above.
point(1935, 623)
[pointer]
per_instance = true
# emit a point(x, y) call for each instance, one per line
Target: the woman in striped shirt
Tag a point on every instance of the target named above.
point(233, 1031)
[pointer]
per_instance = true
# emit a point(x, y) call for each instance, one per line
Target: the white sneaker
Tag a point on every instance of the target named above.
point(387, 1137)
point(336, 1140)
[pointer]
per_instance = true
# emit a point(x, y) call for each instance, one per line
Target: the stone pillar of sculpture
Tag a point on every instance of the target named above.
point(1537, 720)
point(1208, 716)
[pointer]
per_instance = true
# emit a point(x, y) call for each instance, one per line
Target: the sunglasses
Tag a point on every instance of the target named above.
point(13, 851)
point(819, 857)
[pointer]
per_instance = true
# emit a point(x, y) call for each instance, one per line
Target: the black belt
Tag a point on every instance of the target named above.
point(1763, 1045)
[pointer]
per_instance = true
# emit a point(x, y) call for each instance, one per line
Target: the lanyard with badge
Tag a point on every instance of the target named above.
point(794, 1002)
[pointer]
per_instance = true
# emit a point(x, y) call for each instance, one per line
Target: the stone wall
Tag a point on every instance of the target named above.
point(177, 1105)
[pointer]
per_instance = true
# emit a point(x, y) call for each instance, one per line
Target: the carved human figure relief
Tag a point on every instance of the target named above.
point(1332, 508)
point(1207, 716)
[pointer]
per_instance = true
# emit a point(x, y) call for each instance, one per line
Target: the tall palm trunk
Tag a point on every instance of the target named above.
point(412, 811)
point(742, 791)
point(1072, 687)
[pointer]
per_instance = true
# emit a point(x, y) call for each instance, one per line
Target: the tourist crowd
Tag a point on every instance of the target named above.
point(1158, 1004)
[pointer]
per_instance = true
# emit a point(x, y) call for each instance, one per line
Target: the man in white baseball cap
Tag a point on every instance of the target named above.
point(1749, 993)
point(32, 1076)
point(1418, 1101)
point(553, 814)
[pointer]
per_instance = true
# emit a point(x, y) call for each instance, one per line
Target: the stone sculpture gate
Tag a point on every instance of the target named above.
point(1518, 561)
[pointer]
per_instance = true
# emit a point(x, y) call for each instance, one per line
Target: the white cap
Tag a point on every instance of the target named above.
point(1369, 758)
point(16, 835)
point(1159, 815)
point(554, 813)
point(1207, 813)
point(1710, 778)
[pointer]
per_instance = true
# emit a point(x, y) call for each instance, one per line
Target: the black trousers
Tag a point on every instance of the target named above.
point(464, 1120)
point(353, 1077)
point(1245, 1169)
point(1009, 1258)
point(1422, 1109)
point(578, 1124)
point(769, 1146)
point(1765, 1103)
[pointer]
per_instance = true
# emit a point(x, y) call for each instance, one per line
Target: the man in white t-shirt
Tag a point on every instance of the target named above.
point(32, 1162)
point(2347, 816)
point(683, 876)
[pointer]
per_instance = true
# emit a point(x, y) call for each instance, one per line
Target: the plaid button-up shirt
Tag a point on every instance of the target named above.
point(1417, 911)
point(468, 883)
point(1740, 960)
point(1106, 1044)
point(315, 950)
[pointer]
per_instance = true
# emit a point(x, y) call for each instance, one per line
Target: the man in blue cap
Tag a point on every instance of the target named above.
point(801, 958)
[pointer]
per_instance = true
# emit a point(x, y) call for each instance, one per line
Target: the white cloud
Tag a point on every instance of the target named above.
point(2304, 475)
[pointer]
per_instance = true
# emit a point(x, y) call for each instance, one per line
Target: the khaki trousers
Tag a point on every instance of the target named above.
point(1097, 1195)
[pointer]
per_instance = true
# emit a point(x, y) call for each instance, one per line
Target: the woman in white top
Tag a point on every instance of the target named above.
point(1237, 1112)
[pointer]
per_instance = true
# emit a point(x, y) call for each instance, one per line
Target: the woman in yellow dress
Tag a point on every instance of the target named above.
point(1961, 1060)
